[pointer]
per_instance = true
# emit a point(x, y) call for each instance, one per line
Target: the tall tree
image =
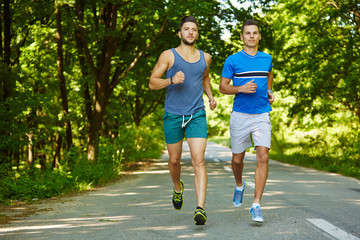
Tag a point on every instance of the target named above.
point(7, 32)
point(101, 67)
point(6, 54)
point(127, 30)
point(317, 49)
point(62, 81)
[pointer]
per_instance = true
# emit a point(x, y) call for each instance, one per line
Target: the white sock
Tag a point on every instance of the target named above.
point(254, 205)
point(240, 188)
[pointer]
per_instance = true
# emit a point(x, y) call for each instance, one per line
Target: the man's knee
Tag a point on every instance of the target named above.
point(198, 161)
point(263, 159)
point(262, 155)
point(238, 159)
point(174, 159)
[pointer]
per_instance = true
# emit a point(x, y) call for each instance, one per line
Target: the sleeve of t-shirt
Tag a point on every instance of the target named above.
point(228, 70)
point(271, 65)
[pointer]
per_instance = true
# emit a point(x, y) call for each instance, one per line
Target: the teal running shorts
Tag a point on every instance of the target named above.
point(176, 127)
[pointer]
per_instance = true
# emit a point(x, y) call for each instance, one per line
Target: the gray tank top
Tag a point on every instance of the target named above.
point(186, 98)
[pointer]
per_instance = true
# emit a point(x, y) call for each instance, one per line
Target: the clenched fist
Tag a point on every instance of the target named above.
point(212, 103)
point(249, 87)
point(179, 77)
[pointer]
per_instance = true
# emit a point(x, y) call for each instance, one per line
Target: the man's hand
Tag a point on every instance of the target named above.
point(271, 97)
point(249, 87)
point(179, 77)
point(212, 103)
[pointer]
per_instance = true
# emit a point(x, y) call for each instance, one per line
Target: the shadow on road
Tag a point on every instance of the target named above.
point(140, 207)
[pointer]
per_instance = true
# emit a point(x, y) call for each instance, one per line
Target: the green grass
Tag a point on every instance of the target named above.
point(344, 167)
point(297, 154)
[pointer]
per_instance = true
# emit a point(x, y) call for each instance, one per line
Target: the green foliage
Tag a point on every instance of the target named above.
point(138, 142)
point(317, 51)
point(36, 184)
point(133, 144)
point(31, 184)
point(85, 175)
point(325, 145)
point(32, 117)
point(315, 47)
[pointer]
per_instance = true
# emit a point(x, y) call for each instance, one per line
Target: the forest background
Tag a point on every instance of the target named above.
point(75, 107)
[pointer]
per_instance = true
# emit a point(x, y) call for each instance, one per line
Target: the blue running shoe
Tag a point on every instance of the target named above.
point(256, 214)
point(238, 196)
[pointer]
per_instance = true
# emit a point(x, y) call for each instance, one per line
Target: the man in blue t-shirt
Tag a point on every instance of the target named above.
point(251, 73)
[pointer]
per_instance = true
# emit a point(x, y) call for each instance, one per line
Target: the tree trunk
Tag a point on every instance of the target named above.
point(101, 101)
point(60, 64)
point(102, 75)
point(41, 155)
point(82, 60)
point(31, 151)
point(1, 34)
point(5, 84)
point(7, 32)
point(58, 141)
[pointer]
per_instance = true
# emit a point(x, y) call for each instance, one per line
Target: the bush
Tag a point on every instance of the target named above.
point(30, 184)
point(132, 144)
point(138, 143)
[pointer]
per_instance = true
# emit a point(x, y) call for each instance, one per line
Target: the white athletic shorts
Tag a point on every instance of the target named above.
point(243, 124)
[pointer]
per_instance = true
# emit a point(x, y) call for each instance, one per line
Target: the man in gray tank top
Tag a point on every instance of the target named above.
point(187, 78)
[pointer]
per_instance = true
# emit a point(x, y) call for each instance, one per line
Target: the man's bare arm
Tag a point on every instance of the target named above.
point(156, 81)
point(226, 88)
point(164, 63)
point(207, 84)
point(269, 87)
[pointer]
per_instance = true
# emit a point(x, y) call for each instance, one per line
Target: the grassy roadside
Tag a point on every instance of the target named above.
point(345, 167)
point(17, 209)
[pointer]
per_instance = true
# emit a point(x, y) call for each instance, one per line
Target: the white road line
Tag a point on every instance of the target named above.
point(332, 230)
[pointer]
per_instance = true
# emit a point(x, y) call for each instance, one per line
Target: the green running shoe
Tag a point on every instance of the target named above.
point(200, 217)
point(177, 199)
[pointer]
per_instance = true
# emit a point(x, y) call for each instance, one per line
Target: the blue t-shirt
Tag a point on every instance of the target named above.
point(186, 98)
point(242, 68)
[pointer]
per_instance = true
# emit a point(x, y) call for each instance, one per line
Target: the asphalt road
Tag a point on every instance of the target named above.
point(298, 203)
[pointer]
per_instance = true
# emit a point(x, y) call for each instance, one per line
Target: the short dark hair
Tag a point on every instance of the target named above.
point(249, 22)
point(188, 19)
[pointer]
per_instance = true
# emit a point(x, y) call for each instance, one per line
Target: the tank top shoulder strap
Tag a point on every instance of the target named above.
point(176, 55)
point(201, 53)
point(202, 56)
